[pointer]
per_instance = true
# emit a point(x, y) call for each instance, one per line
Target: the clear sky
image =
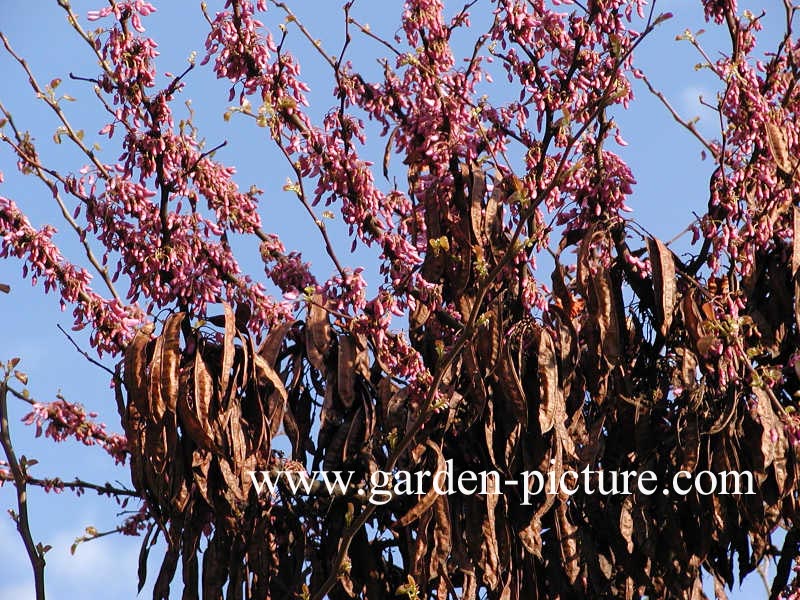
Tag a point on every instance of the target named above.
point(672, 181)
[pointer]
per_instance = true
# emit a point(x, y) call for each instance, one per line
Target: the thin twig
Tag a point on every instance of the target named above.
point(76, 484)
point(84, 353)
point(688, 125)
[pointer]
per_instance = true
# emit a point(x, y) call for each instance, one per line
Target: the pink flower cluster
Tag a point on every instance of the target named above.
point(129, 68)
point(136, 523)
point(287, 271)
point(244, 54)
point(61, 420)
point(715, 10)
point(125, 10)
point(112, 323)
point(347, 294)
point(599, 188)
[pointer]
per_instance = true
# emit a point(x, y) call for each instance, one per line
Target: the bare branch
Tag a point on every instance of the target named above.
point(35, 552)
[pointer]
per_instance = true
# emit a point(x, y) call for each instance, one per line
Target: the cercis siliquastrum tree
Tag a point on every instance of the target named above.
point(627, 356)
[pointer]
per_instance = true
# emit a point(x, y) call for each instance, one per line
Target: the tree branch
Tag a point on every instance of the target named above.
point(35, 553)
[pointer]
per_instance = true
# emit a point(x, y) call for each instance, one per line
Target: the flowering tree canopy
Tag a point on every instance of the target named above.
point(519, 317)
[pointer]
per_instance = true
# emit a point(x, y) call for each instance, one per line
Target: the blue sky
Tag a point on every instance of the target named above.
point(672, 182)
